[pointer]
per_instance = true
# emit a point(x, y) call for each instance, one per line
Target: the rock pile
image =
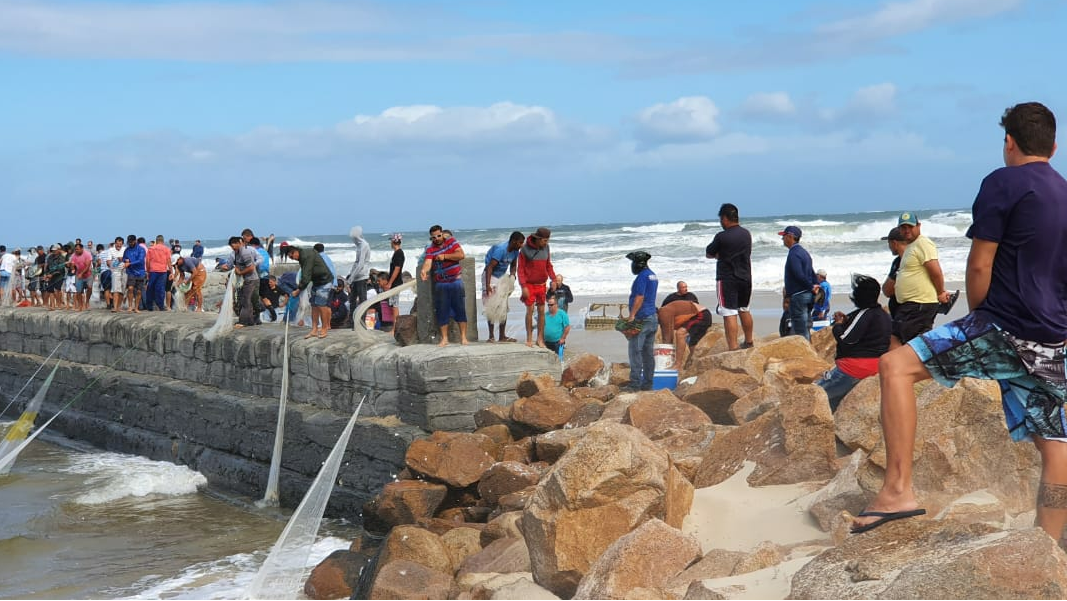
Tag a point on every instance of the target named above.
point(578, 491)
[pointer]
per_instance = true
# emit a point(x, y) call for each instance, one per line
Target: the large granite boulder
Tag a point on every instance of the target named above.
point(792, 443)
point(406, 501)
point(418, 545)
point(924, 559)
point(962, 447)
point(610, 481)
point(648, 557)
point(548, 409)
point(504, 478)
point(403, 579)
point(714, 391)
point(452, 457)
point(336, 576)
point(581, 369)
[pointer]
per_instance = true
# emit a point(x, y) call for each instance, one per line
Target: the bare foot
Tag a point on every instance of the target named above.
point(886, 502)
point(322, 333)
point(311, 334)
point(541, 343)
point(443, 343)
point(529, 343)
point(464, 342)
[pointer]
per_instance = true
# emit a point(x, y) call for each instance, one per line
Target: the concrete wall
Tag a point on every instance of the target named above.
point(167, 393)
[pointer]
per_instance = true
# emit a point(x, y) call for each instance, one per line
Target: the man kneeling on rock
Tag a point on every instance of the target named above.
point(684, 323)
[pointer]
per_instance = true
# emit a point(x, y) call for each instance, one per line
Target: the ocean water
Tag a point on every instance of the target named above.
point(80, 523)
point(592, 257)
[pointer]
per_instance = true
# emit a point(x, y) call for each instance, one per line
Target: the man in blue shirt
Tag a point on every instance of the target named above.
point(643, 313)
point(1015, 332)
point(133, 262)
point(499, 260)
point(821, 309)
point(557, 326)
point(798, 295)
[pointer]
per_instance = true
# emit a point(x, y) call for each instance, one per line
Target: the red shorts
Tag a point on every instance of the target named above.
point(536, 294)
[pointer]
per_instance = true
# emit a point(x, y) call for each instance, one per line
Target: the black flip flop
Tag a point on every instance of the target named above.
point(944, 308)
point(884, 517)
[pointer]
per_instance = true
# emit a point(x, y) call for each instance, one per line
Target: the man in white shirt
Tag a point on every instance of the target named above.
point(7, 272)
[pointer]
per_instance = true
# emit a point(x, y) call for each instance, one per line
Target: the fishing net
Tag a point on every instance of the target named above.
point(224, 322)
point(270, 497)
point(303, 308)
point(17, 437)
point(178, 302)
point(282, 575)
point(496, 307)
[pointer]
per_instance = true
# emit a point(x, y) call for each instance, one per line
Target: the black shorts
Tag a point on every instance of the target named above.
point(697, 326)
point(734, 294)
point(913, 319)
point(135, 283)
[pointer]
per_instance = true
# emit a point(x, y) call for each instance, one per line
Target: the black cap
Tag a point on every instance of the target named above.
point(894, 234)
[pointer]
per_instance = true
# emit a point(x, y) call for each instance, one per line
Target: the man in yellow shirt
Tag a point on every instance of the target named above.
point(920, 284)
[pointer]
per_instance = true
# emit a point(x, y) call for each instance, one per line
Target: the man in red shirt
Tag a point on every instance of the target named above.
point(535, 271)
point(83, 277)
point(157, 261)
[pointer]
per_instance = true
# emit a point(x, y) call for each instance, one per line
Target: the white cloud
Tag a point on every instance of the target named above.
point(300, 30)
point(686, 120)
point(900, 18)
point(768, 104)
point(878, 99)
point(500, 122)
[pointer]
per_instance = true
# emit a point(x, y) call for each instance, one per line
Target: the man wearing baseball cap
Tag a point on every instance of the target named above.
point(896, 243)
point(920, 284)
point(798, 296)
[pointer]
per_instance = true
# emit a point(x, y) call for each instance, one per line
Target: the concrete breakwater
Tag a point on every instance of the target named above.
point(167, 393)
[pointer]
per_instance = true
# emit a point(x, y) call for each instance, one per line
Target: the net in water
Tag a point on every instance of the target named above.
point(283, 573)
point(17, 437)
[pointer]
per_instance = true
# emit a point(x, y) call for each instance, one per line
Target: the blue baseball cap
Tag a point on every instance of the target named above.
point(792, 230)
point(908, 219)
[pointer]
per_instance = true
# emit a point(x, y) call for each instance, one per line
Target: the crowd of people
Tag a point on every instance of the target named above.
point(1014, 332)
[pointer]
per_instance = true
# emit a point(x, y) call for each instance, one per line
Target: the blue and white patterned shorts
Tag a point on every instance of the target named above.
point(1031, 374)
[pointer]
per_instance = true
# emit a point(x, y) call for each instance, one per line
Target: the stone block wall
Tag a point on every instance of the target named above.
point(167, 393)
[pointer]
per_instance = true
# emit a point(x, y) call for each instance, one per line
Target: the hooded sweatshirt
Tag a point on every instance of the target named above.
point(361, 267)
point(535, 264)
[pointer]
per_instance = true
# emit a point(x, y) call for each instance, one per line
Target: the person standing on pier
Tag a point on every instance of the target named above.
point(499, 260)
point(449, 298)
point(535, 271)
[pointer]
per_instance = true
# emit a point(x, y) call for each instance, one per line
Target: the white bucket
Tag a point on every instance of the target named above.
point(664, 356)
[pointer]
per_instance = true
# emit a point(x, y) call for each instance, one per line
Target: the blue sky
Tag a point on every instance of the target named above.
point(198, 118)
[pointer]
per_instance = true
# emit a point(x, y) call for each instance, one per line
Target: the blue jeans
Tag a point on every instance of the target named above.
point(642, 359)
point(837, 384)
point(800, 313)
point(157, 291)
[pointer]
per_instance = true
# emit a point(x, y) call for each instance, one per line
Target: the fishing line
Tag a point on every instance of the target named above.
point(39, 368)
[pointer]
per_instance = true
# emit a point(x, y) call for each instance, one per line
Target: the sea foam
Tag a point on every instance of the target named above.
point(113, 476)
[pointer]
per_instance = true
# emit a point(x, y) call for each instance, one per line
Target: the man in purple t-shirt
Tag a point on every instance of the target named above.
point(1015, 332)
